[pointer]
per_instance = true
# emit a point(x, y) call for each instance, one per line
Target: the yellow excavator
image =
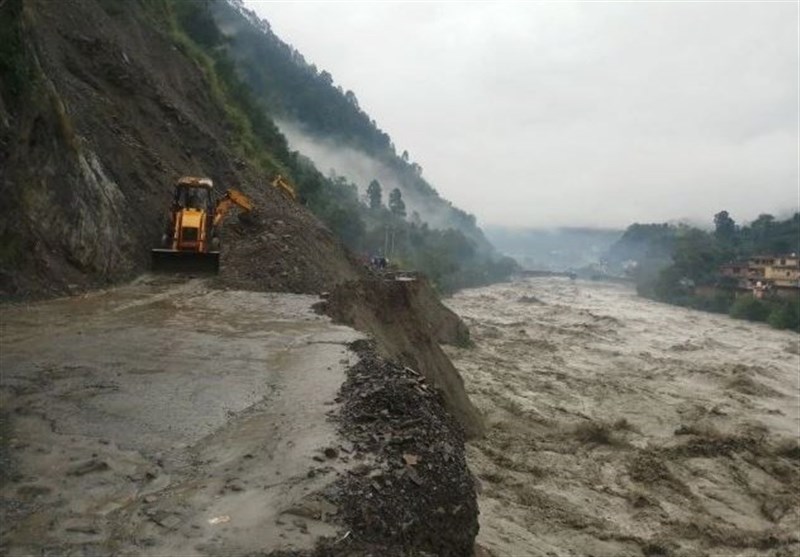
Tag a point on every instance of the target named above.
point(191, 238)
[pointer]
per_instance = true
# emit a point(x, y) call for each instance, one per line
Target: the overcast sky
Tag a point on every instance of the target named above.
point(599, 114)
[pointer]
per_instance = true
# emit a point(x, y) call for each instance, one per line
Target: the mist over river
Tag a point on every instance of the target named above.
point(621, 426)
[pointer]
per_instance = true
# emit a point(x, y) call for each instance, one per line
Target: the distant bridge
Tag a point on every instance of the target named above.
point(528, 273)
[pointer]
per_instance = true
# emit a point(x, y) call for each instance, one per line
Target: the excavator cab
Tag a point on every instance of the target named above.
point(193, 197)
point(190, 237)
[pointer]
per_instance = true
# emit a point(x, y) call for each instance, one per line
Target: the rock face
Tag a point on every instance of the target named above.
point(112, 113)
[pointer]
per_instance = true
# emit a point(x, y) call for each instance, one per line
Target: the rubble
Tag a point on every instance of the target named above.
point(401, 426)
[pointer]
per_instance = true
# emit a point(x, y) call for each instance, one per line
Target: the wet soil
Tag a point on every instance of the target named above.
point(416, 494)
point(166, 417)
point(620, 426)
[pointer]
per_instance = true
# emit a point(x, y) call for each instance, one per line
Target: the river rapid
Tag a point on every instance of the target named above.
point(620, 426)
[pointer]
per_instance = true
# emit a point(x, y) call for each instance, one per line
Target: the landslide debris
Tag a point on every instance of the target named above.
point(418, 492)
point(411, 493)
point(281, 247)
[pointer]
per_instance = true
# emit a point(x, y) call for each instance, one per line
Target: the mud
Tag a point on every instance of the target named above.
point(620, 426)
point(166, 417)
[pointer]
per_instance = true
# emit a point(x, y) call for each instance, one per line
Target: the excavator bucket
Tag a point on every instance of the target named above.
point(173, 261)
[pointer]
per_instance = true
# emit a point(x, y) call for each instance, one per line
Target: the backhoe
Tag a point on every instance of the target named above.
point(191, 238)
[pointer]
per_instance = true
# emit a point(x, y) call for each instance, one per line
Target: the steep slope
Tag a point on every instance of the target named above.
point(112, 111)
point(298, 92)
point(426, 232)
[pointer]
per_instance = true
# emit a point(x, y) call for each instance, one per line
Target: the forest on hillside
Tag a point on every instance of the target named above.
point(263, 79)
point(670, 260)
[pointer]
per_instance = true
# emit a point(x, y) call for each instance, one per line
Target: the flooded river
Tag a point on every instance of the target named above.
point(620, 426)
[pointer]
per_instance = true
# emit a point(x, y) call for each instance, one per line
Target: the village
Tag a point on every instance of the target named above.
point(764, 275)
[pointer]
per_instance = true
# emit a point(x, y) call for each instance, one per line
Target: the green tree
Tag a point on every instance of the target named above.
point(198, 22)
point(760, 230)
point(696, 256)
point(750, 308)
point(786, 315)
point(396, 204)
point(375, 194)
point(724, 228)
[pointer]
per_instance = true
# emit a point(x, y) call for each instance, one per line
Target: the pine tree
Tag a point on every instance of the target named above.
point(396, 204)
point(375, 195)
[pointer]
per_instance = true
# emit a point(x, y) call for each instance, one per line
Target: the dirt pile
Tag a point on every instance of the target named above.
point(408, 321)
point(418, 493)
point(279, 248)
point(412, 491)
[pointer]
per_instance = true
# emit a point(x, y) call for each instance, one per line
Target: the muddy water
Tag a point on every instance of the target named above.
point(620, 426)
point(166, 418)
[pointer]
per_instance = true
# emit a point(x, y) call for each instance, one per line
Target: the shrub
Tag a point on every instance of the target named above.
point(785, 316)
point(750, 308)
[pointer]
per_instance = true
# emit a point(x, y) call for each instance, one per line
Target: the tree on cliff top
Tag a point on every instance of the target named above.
point(375, 195)
point(396, 204)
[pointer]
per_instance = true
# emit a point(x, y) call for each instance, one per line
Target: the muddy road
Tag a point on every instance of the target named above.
point(620, 426)
point(167, 418)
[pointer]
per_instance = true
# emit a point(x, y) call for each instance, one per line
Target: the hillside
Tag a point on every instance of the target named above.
point(670, 262)
point(327, 124)
point(126, 116)
point(108, 109)
point(103, 104)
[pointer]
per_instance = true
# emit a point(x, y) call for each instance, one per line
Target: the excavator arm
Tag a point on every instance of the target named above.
point(229, 199)
point(283, 186)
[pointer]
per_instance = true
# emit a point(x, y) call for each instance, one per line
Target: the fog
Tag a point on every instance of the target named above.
point(331, 157)
point(577, 114)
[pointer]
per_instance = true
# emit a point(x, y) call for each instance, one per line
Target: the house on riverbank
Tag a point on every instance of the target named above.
point(761, 274)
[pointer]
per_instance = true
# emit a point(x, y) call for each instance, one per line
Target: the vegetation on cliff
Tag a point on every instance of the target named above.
point(103, 104)
point(263, 79)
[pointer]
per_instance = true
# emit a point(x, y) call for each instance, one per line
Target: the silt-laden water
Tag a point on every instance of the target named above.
point(621, 426)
